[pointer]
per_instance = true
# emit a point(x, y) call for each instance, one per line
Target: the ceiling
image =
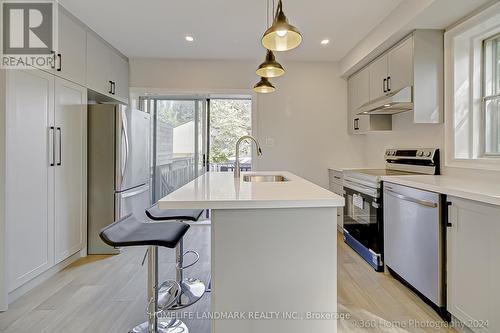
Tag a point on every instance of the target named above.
point(227, 29)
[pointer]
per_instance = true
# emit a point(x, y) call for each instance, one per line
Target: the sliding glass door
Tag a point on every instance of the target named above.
point(179, 150)
point(193, 135)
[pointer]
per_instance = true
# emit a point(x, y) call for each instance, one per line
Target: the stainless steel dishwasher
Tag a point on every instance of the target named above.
point(414, 241)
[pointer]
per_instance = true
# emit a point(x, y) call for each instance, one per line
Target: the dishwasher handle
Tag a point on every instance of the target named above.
point(411, 199)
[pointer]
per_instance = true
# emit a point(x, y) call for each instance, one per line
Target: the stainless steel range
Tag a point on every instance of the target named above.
point(363, 212)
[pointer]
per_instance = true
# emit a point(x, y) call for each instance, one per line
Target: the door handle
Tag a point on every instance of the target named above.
point(356, 124)
point(125, 136)
point(58, 129)
point(411, 199)
point(110, 87)
point(384, 85)
point(388, 83)
point(113, 85)
point(52, 146)
point(60, 62)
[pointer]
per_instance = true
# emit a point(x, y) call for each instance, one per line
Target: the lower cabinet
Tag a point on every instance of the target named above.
point(45, 173)
point(473, 264)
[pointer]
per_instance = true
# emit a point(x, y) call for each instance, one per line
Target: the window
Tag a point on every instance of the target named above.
point(472, 91)
point(491, 96)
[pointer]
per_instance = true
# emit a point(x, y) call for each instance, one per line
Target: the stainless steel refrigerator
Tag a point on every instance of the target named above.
point(118, 168)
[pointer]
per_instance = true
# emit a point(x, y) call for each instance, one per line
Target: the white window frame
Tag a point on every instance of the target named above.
point(489, 96)
point(464, 121)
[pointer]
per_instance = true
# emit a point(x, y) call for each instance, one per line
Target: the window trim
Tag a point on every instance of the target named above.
point(463, 90)
point(495, 94)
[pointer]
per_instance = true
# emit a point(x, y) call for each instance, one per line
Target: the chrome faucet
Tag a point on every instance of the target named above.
point(237, 162)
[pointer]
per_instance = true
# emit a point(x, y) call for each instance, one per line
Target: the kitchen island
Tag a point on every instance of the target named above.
point(273, 250)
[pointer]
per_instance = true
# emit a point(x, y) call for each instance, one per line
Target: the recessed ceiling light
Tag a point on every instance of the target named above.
point(189, 38)
point(325, 41)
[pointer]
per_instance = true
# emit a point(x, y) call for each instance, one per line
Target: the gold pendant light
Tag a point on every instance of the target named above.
point(264, 86)
point(270, 67)
point(281, 36)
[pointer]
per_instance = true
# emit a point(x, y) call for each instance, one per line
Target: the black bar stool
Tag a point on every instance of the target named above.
point(192, 289)
point(129, 231)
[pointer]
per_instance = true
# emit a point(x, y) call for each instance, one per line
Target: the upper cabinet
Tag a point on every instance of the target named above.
point(378, 78)
point(107, 71)
point(70, 56)
point(392, 71)
point(359, 87)
point(415, 63)
point(119, 76)
point(98, 65)
point(400, 66)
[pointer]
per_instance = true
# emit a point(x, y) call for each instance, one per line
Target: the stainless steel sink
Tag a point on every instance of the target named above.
point(264, 178)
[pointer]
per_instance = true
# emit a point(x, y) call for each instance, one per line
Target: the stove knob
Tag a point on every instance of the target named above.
point(428, 154)
point(420, 153)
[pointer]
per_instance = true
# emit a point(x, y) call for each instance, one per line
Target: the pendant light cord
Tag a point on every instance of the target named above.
point(267, 13)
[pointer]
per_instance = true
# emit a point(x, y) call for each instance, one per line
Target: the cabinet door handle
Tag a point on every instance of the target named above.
point(60, 62)
point(384, 84)
point(52, 147)
point(60, 146)
point(114, 87)
point(388, 83)
point(356, 124)
point(111, 87)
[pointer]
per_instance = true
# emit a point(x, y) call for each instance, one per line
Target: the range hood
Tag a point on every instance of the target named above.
point(396, 102)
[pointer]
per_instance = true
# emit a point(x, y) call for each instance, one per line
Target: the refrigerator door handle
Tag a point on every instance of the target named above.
point(125, 136)
point(134, 193)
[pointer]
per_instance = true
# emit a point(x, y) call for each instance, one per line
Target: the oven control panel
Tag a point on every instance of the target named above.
point(412, 154)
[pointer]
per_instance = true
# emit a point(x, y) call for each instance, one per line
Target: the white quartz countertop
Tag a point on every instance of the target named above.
point(219, 190)
point(472, 189)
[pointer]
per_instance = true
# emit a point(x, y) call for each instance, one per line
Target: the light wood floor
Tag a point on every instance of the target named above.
point(107, 294)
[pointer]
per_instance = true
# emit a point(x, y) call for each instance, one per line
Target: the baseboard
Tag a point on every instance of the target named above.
point(20, 291)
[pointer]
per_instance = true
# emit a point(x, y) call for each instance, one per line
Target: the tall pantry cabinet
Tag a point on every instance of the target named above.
point(46, 119)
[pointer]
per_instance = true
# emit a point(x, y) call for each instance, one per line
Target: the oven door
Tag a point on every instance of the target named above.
point(363, 219)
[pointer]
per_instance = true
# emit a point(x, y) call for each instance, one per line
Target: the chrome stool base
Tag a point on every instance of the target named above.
point(168, 294)
point(164, 325)
point(192, 291)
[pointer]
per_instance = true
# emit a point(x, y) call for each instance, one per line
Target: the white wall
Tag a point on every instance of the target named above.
point(306, 117)
point(404, 134)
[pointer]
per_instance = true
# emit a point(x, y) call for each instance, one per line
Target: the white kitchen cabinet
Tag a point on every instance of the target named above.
point(71, 53)
point(359, 88)
point(416, 62)
point(400, 66)
point(70, 172)
point(392, 71)
point(29, 175)
point(120, 73)
point(378, 77)
point(107, 71)
point(359, 94)
point(46, 170)
point(473, 264)
point(98, 65)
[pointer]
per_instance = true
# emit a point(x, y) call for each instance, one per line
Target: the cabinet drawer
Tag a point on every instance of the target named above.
point(336, 176)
